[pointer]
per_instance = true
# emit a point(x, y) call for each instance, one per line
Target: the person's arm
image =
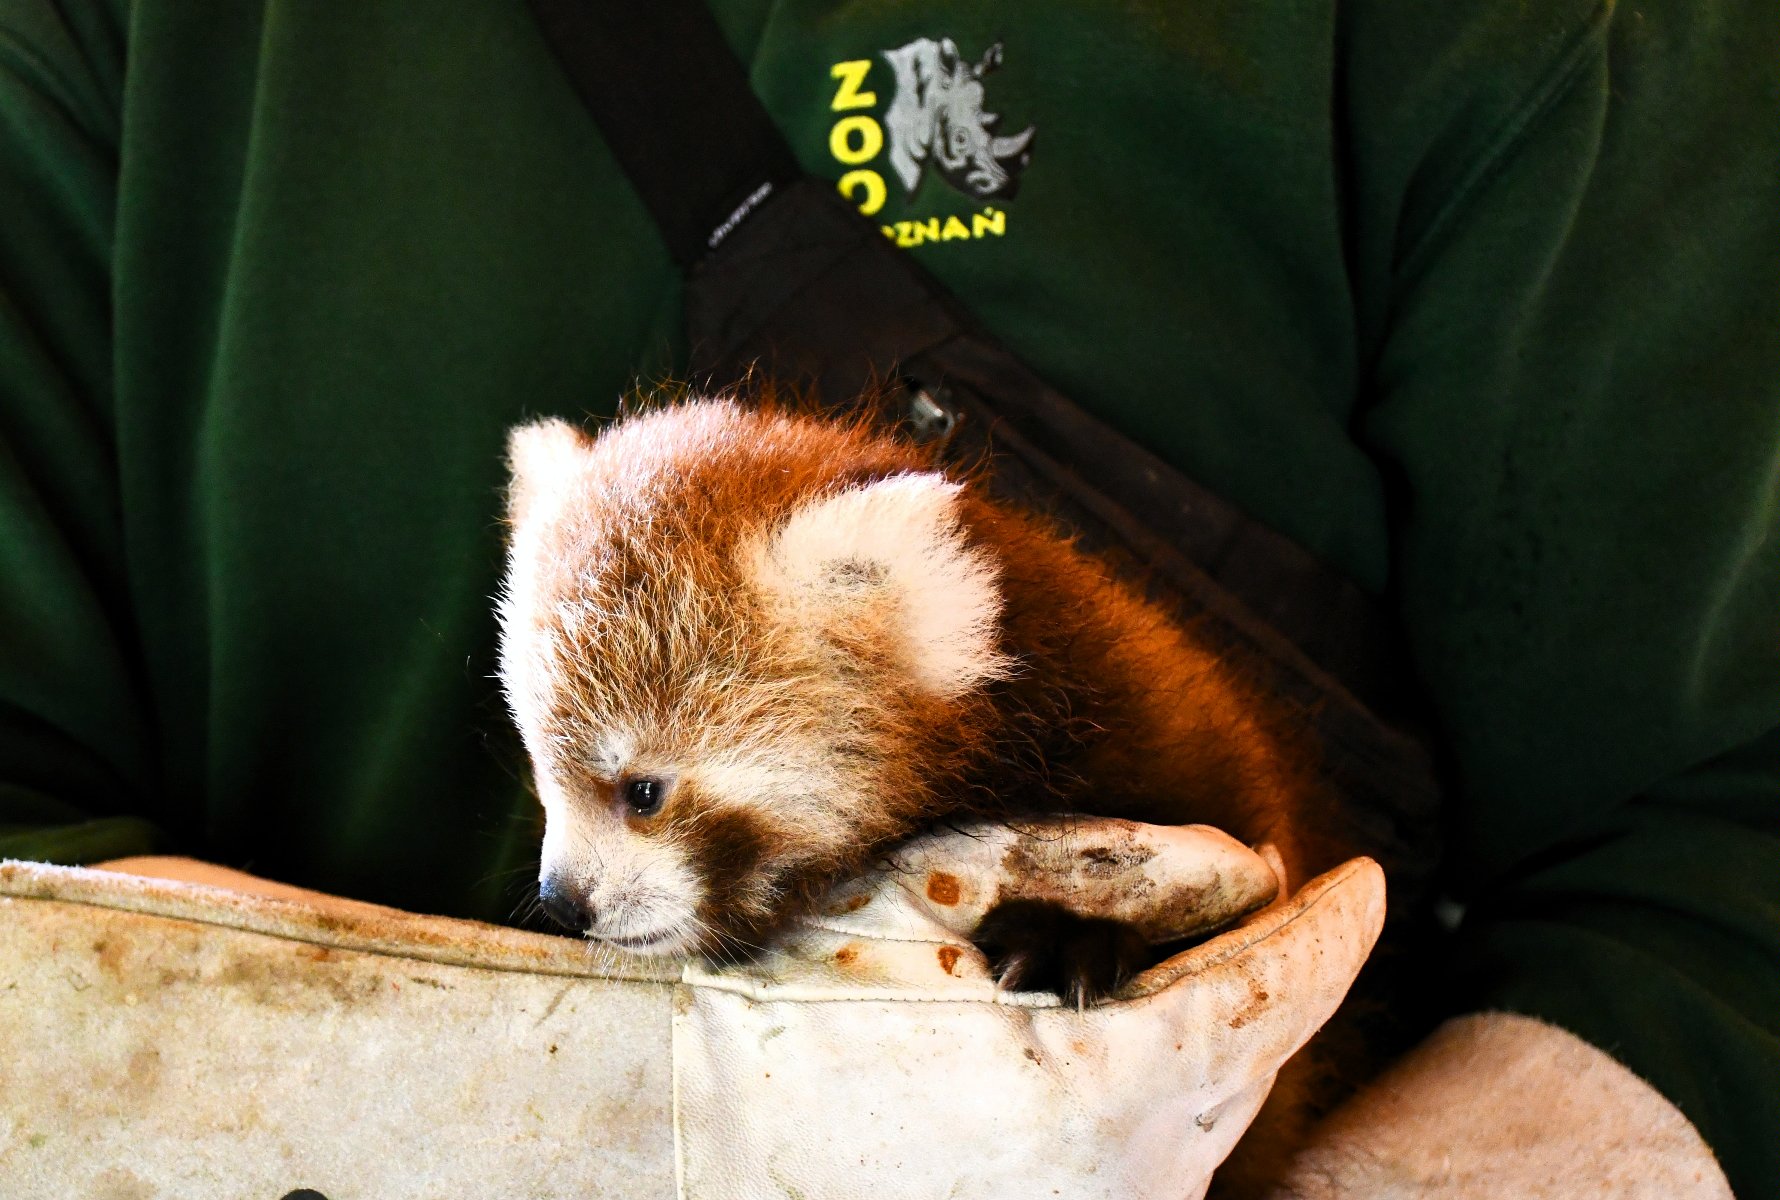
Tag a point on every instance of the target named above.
point(75, 763)
point(1497, 1105)
point(1575, 365)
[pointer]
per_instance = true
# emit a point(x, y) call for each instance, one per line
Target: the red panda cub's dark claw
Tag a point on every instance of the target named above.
point(1043, 946)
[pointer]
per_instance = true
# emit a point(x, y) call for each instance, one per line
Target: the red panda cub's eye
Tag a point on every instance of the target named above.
point(644, 797)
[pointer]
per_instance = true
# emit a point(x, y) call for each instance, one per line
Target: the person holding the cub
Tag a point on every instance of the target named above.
point(1475, 303)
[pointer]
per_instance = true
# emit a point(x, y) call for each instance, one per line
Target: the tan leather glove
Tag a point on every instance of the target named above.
point(869, 1054)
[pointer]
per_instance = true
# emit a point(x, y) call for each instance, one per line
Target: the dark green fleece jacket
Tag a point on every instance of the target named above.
point(1479, 300)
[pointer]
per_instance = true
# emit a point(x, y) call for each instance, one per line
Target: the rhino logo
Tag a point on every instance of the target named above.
point(937, 116)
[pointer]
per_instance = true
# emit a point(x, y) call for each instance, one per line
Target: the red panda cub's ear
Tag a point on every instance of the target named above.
point(893, 548)
point(542, 457)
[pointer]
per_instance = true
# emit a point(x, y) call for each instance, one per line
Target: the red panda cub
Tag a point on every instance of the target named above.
point(751, 649)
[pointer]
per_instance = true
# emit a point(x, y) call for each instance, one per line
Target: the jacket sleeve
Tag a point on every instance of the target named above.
point(1574, 329)
point(75, 769)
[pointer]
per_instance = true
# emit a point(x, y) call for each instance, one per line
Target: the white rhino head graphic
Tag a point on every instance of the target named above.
point(937, 115)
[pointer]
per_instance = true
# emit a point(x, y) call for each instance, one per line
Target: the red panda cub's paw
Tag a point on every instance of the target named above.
point(1041, 946)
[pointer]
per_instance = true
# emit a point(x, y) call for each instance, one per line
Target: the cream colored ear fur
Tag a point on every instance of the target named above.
point(542, 457)
point(896, 543)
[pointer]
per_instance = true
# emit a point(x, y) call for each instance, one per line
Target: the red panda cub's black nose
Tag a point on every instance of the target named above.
point(565, 906)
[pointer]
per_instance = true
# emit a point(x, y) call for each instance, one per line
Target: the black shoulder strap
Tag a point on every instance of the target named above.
point(675, 107)
point(805, 286)
point(781, 272)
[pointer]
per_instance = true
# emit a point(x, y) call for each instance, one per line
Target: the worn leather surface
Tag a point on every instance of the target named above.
point(909, 1074)
point(165, 1038)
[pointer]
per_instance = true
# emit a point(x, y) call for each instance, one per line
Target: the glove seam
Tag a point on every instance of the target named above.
point(879, 937)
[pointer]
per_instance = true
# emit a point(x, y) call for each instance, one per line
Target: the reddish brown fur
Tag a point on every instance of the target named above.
point(1114, 708)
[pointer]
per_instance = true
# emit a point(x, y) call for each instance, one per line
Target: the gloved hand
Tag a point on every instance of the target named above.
point(871, 1053)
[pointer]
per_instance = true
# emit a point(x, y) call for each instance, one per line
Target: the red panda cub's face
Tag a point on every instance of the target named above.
point(730, 640)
